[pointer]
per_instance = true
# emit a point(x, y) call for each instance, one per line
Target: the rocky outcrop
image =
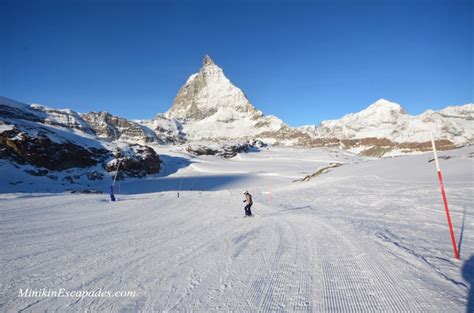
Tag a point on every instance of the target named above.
point(201, 150)
point(111, 127)
point(138, 133)
point(61, 146)
point(231, 151)
point(66, 118)
point(14, 110)
point(225, 151)
point(106, 125)
point(136, 161)
point(321, 171)
point(376, 147)
point(41, 151)
point(167, 131)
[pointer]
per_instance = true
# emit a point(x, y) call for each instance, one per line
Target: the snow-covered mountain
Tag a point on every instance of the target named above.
point(59, 145)
point(210, 107)
point(387, 120)
point(208, 93)
point(108, 126)
point(111, 127)
point(167, 131)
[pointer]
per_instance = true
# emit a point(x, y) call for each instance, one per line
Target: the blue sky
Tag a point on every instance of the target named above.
point(304, 61)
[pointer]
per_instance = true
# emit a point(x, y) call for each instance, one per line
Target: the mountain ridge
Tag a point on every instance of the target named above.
point(385, 119)
point(209, 107)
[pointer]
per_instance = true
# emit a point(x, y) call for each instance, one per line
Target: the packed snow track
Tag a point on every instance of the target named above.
point(344, 243)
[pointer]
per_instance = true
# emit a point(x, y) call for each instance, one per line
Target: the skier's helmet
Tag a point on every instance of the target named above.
point(245, 192)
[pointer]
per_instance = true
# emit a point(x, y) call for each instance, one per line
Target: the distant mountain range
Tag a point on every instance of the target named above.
point(209, 109)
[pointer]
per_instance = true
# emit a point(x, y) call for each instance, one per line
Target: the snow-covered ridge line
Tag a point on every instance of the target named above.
point(208, 107)
point(385, 119)
point(58, 147)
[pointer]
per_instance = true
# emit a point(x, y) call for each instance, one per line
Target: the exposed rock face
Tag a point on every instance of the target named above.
point(206, 92)
point(138, 161)
point(41, 151)
point(110, 127)
point(321, 171)
point(105, 125)
point(210, 107)
point(375, 147)
point(258, 144)
point(225, 151)
point(44, 141)
point(379, 147)
point(65, 118)
point(138, 133)
point(201, 150)
point(16, 112)
point(10, 109)
point(27, 137)
point(231, 151)
point(167, 131)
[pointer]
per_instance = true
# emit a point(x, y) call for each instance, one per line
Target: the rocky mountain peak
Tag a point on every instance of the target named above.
point(207, 60)
point(207, 93)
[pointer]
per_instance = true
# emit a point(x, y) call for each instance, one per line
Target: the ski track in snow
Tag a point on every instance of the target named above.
point(279, 262)
point(330, 246)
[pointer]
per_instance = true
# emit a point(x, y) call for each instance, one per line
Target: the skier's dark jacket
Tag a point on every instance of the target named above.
point(248, 198)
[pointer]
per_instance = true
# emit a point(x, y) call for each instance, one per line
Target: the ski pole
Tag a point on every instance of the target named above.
point(116, 173)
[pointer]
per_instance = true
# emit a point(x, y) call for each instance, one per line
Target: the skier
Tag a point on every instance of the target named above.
point(249, 201)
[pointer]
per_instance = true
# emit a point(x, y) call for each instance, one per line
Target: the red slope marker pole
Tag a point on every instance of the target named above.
point(445, 200)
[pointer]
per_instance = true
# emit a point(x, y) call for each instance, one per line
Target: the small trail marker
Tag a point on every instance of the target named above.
point(180, 185)
point(270, 195)
point(445, 200)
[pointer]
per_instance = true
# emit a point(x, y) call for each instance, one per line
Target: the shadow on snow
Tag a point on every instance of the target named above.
point(172, 164)
point(468, 275)
point(187, 183)
point(462, 231)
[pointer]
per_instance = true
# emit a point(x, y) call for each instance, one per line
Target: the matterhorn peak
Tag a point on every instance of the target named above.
point(207, 60)
point(209, 92)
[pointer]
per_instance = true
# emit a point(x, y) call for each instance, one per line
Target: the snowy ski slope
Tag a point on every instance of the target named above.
point(368, 236)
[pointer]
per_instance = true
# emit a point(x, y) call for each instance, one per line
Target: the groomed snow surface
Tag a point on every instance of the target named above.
point(368, 236)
